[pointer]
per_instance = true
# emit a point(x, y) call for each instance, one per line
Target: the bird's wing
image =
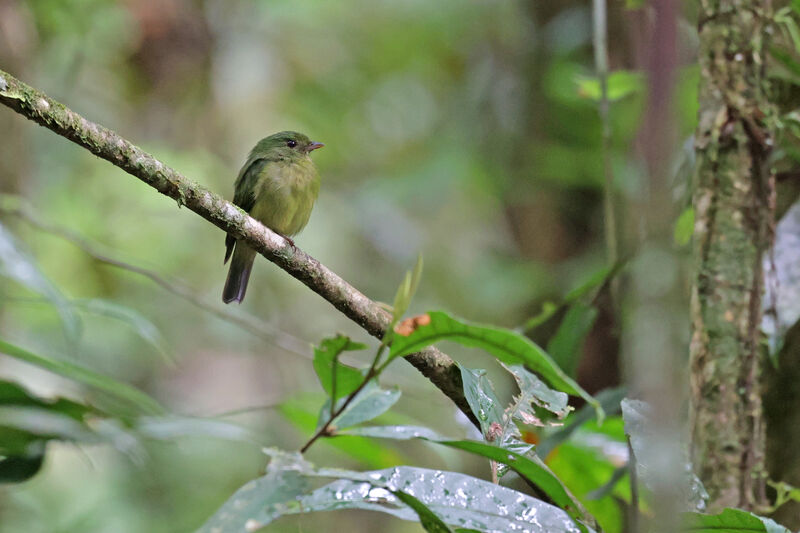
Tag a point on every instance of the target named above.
point(244, 193)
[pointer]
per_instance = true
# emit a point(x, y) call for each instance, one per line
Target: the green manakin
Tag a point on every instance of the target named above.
point(277, 186)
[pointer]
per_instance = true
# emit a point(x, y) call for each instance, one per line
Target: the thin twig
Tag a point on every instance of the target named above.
point(634, 517)
point(438, 367)
point(600, 38)
point(15, 206)
point(371, 373)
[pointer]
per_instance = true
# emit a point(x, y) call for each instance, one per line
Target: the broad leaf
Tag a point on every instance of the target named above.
point(438, 498)
point(730, 521)
point(326, 364)
point(533, 392)
point(506, 345)
point(529, 467)
point(372, 401)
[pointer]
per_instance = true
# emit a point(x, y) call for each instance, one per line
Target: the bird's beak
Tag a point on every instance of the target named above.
point(313, 146)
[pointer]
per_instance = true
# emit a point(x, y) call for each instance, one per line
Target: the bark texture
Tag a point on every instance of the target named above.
point(438, 367)
point(734, 209)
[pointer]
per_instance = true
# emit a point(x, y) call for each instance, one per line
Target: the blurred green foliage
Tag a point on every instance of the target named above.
point(464, 130)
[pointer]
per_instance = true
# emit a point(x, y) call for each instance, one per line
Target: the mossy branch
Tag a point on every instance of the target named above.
point(439, 368)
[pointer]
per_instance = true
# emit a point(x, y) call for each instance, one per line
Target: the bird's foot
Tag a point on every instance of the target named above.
point(291, 242)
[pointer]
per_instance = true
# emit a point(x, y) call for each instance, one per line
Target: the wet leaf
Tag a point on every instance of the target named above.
point(446, 497)
point(506, 345)
point(529, 466)
point(481, 398)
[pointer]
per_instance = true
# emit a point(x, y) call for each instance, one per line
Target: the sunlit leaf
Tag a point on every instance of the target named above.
point(684, 227)
point(565, 345)
point(506, 345)
point(326, 359)
point(15, 264)
point(621, 84)
point(116, 389)
point(730, 521)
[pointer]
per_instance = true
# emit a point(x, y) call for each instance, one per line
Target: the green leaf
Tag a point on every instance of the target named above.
point(506, 345)
point(534, 393)
point(481, 398)
point(17, 265)
point(368, 452)
point(684, 227)
point(621, 83)
point(634, 4)
point(566, 344)
point(730, 521)
point(452, 498)
point(326, 361)
point(529, 467)
point(372, 401)
point(429, 521)
point(405, 292)
point(610, 401)
point(143, 403)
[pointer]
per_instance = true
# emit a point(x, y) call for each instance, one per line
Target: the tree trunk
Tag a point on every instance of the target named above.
point(734, 210)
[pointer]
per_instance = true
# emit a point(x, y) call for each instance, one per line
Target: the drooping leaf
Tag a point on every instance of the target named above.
point(730, 521)
point(452, 498)
point(133, 397)
point(528, 466)
point(482, 399)
point(17, 265)
point(326, 361)
point(566, 344)
point(506, 345)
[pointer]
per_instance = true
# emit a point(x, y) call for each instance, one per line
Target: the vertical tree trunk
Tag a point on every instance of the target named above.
point(734, 209)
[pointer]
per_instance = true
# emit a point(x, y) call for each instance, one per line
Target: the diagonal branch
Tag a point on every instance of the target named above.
point(438, 367)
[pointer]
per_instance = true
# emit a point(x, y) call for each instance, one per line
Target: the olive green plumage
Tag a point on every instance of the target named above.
point(277, 186)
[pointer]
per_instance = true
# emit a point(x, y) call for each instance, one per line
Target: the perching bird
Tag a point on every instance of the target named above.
point(277, 186)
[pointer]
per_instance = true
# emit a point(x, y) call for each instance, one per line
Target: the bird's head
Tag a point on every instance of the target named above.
point(286, 145)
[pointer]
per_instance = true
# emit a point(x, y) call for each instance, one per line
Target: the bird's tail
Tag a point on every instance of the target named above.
point(239, 273)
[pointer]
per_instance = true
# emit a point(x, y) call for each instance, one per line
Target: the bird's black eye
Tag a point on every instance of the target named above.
point(291, 144)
